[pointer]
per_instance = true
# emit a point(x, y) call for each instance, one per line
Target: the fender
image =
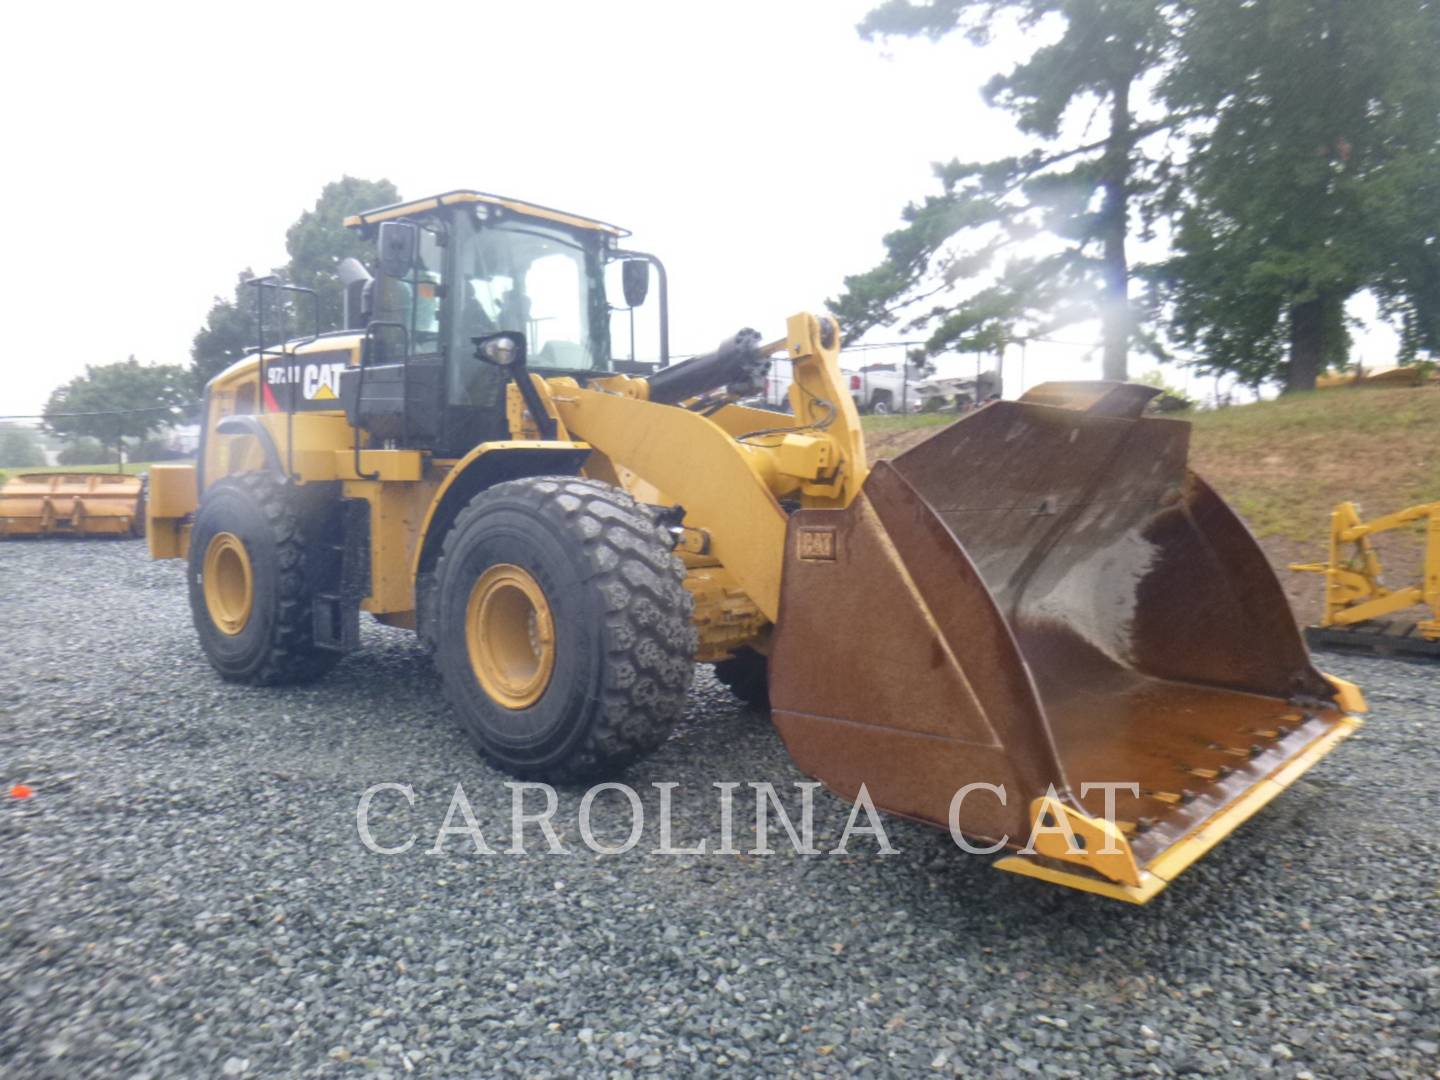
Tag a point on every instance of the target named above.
point(485, 466)
point(251, 425)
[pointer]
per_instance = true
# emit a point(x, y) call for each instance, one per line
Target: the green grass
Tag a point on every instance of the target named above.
point(1360, 411)
point(886, 436)
point(130, 467)
point(905, 422)
point(1284, 464)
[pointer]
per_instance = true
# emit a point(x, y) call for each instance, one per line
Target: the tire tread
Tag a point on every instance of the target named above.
point(648, 634)
point(293, 657)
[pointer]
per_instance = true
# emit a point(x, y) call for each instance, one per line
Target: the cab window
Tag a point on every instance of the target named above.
point(528, 278)
point(413, 302)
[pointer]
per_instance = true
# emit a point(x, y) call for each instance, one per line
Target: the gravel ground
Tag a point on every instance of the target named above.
point(185, 894)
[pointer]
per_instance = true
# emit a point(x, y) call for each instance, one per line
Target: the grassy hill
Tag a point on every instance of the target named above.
point(1280, 461)
point(1284, 464)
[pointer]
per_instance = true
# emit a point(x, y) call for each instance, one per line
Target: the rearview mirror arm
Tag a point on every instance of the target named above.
point(664, 297)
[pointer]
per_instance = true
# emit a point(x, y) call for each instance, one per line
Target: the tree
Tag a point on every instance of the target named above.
point(1086, 195)
point(88, 451)
point(1319, 177)
point(316, 243)
point(19, 449)
point(112, 402)
point(230, 331)
point(1171, 399)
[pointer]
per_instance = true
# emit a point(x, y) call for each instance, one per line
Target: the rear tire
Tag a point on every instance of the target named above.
point(747, 675)
point(258, 628)
point(600, 672)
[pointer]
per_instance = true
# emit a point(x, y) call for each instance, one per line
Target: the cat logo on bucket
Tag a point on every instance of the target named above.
point(815, 544)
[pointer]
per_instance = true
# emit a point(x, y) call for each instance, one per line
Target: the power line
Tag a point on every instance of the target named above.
point(176, 409)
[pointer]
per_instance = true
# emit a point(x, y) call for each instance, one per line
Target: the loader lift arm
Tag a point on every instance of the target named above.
point(729, 469)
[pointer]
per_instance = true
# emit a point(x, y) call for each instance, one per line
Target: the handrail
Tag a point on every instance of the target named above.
point(360, 382)
point(287, 348)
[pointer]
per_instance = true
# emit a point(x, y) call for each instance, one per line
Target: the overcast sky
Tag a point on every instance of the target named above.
point(762, 149)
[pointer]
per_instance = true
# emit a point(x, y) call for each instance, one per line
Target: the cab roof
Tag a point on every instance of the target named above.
point(451, 198)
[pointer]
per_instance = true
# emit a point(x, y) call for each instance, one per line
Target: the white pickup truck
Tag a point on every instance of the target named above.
point(886, 389)
point(877, 388)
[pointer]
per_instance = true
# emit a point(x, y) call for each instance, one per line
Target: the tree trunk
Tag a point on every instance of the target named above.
point(1307, 344)
point(1114, 228)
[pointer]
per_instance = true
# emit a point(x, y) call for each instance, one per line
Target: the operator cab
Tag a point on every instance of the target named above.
point(464, 265)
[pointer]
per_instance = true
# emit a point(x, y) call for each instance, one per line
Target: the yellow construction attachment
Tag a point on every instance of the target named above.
point(72, 504)
point(1357, 600)
point(1411, 375)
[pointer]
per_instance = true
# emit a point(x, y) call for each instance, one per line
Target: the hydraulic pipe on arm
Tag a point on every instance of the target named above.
point(719, 478)
point(739, 365)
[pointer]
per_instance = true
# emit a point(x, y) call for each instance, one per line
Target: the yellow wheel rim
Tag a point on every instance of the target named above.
point(229, 583)
point(510, 636)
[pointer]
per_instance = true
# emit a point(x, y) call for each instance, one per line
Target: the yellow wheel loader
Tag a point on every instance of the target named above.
point(1037, 628)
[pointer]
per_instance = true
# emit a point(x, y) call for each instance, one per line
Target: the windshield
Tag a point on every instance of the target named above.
point(527, 278)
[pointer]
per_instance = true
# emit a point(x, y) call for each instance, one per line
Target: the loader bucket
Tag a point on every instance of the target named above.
point(1043, 598)
point(72, 504)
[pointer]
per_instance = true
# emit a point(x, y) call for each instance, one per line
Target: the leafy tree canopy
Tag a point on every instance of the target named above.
point(111, 402)
point(1318, 177)
point(1044, 232)
point(316, 243)
point(230, 331)
point(1299, 165)
point(88, 451)
point(19, 449)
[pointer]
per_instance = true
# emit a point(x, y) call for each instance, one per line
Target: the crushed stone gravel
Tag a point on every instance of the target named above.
point(185, 893)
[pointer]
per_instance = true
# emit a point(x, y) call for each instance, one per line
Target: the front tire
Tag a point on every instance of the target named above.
point(252, 564)
point(562, 627)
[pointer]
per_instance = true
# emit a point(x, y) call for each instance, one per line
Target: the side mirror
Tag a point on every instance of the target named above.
point(635, 279)
point(356, 280)
point(399, 244)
